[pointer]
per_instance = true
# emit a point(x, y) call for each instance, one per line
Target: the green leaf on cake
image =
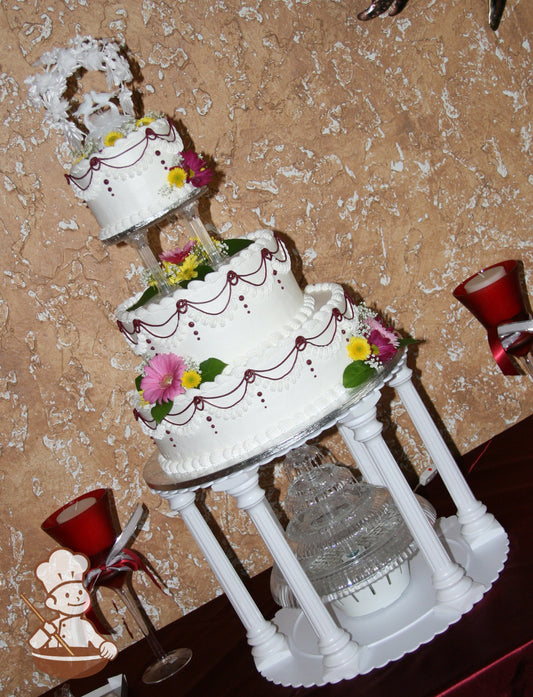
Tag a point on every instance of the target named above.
point(210, 368)
point(159, 411)
point(357, 373)
point(148, 294)
point(408, 340)
point(236, 244)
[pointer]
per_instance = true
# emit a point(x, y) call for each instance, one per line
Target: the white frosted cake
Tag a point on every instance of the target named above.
point(237, 358)
point(284, 353)
point(139, 176)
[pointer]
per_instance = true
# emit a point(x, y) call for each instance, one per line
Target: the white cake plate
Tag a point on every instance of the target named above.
point(314, 645)
point(157, 218)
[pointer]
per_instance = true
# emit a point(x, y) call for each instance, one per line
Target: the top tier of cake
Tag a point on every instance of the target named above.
point(138, 178)
point(130, 171)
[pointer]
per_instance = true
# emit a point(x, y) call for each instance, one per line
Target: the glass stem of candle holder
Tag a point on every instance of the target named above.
point(143, 622)
point(526, 363)
point(139, 240)
point(189, 213)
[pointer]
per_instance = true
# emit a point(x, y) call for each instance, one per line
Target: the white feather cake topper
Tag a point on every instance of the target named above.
point(98, 110)
point(131, 172)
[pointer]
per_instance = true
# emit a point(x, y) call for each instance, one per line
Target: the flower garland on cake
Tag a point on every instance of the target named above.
point(184, 264)
point(371, 349)
point(167, 375)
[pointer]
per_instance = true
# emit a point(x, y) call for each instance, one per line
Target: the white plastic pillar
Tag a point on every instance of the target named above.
point(340, 654)
point(268, 644)
point(477, 525)
point(453, 587)
point(360, 454)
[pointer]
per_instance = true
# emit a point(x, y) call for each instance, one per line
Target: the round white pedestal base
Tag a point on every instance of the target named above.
point(388, 634)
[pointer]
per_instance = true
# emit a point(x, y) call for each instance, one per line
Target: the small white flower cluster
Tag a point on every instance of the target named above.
point(47, 89)
point(374, 362)
point(364, 314)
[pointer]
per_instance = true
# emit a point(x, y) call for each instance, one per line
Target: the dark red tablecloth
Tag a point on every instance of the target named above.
point(488, 653)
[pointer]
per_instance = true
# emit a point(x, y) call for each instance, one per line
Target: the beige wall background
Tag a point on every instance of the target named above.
point(397, 156)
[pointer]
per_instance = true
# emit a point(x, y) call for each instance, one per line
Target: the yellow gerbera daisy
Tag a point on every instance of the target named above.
point(191, 379)
point(358, 348)
point(188, 267)
point(112, 137)
point(177, 177)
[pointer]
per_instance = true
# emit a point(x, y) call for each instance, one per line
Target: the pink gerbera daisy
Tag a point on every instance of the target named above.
point(177, 256)
point(198, 173)
point(162, 378)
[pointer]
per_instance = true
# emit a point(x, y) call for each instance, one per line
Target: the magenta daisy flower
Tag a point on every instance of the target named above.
point(376, 324)
point(162, 378)
point(198, 173)
point(177, 256)
point(384, 341)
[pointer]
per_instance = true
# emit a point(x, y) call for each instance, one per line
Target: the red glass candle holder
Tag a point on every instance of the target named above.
point(497, 302)
point(86, 525)
point(89, 525)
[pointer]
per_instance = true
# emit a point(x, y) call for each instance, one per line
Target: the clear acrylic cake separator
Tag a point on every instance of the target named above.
point(312, 645)
point(187, 212)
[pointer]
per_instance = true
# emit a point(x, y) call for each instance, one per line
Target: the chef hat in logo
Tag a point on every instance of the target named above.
point(62, 567)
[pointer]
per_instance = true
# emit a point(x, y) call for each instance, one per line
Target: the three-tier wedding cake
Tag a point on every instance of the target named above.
point(237, 358)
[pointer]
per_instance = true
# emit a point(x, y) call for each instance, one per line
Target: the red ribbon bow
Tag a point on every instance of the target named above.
point(125, 560)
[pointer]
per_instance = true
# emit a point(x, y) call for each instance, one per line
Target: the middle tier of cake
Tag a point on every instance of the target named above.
point(284, 352)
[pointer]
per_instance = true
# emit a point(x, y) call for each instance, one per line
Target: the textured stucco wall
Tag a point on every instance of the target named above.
point(397, 156)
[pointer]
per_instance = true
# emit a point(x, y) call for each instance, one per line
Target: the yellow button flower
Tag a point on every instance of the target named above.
point(177, 177)
point(111, 138)
point(191, 379)
point(358, 348)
